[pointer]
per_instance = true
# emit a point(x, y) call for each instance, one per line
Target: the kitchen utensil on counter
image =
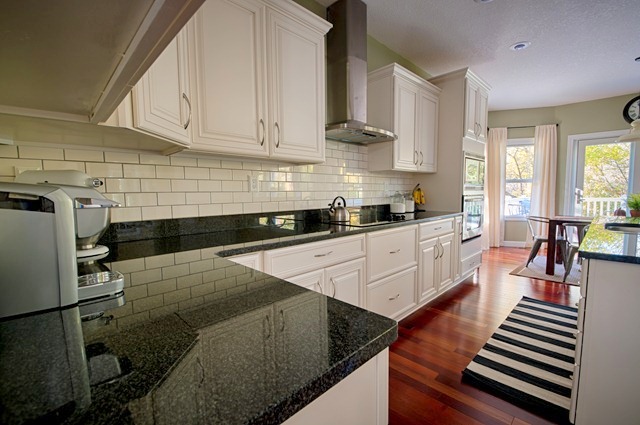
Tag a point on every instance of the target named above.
point(397, 205)
point(339, 213)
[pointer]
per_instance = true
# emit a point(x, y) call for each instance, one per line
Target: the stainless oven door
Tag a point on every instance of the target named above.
point(473, 218)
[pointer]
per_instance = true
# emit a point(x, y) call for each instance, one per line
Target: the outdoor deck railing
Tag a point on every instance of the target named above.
point(600, 206)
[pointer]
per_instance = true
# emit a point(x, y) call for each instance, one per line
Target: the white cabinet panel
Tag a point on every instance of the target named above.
point(390, 251)
point(393, 295)
point(252, 260)
point(161, 99)
point(228, 56)
point(347, 282)
point(258, 77)
point(298, 99)
point(428, 276)
point(313, 281)
point(400, 101)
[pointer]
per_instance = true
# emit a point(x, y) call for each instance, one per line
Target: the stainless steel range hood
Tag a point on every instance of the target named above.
point(347, 76)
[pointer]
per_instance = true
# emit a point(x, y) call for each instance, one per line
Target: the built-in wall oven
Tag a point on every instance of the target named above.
point(473, 218)
point(473, 196)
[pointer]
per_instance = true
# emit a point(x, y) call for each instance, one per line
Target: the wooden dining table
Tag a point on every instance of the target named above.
point(554, 222)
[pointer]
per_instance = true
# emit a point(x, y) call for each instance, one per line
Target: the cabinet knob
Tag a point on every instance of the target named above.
point(394, 298)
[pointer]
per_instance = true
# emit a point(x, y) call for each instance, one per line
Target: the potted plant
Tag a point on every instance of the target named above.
point(633, 202)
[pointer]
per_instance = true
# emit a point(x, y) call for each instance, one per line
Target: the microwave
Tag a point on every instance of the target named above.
point(474, 166)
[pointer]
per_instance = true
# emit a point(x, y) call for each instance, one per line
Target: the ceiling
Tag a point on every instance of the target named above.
point(580, 49)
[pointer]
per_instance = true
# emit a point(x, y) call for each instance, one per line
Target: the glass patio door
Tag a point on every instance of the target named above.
point(603, 176)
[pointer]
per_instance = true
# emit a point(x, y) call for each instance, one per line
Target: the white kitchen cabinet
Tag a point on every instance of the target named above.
point(252, 260)
point(457, 240)
point(476, 111)
point(406, 104)
point(347, 281)
point(392, 271)
point(334, 267)
point(258, 72)
point(462, 127)
point(159, 105)
point(606, 374)
point(437, 254)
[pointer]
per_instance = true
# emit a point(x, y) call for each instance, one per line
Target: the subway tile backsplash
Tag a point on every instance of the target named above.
point(152, 187)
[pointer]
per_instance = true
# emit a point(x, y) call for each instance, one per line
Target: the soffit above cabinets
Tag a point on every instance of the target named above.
point(77, 59)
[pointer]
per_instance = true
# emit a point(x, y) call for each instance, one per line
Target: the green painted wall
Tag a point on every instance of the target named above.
point(378, 55)
point(576, 118)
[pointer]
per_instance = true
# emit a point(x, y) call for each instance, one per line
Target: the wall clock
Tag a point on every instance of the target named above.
point(631, 111)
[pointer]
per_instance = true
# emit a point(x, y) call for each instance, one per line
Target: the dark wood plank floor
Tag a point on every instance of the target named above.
point(437, 342)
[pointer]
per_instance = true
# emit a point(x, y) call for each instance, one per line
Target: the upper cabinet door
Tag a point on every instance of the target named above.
point(482, 112)
point(296, 76)
point(470, 119)
point(405, 150)
point(428, 132)
point(227, 54)
point(161, 99)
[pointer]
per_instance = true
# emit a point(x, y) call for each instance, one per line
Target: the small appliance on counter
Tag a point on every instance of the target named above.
point(37, 249)
point(88, 217)
point(339, 213)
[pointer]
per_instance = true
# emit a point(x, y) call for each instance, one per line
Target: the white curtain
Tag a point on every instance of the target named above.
point(543, 192)
point(494, 188)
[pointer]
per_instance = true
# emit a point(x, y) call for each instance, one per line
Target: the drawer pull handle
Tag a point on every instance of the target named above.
point(395, 252)
point(323, 255)
point(394, 298)
point(333, 284)
point(437, 228)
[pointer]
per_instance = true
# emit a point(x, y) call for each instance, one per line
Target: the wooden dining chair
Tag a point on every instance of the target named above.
point(538, 239)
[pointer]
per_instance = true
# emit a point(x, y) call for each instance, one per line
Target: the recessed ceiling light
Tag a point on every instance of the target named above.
point(520, 45)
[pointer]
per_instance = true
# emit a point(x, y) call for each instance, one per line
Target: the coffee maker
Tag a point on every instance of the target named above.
point(97, 287)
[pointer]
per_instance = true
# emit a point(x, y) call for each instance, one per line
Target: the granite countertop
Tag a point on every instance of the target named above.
point(200, 338)
point(600, 243)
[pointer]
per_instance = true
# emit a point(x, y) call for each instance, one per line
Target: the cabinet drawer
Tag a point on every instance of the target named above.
point(393, 295)
point(294, 260)
point(435, 228)
point(391, 251)
point(471, 263)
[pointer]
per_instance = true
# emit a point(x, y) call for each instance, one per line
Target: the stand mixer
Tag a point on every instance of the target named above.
point(98, 287)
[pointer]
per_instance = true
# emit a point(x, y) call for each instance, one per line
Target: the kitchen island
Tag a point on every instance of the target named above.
point(606, 373)
point(200, 339)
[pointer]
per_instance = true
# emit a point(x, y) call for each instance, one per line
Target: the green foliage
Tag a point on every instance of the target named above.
point(519, 171)
point(633, 201)
point(606, 170)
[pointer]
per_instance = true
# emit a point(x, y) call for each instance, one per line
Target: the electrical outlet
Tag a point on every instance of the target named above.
point(254, 185)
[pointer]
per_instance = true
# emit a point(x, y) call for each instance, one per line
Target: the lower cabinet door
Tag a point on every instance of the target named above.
point(445, 260)
point(346, 282)
point(427, 285)
point(313, 280)
point(394, 295)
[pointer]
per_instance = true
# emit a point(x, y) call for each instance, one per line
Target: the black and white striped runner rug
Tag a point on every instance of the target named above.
point(529, 360)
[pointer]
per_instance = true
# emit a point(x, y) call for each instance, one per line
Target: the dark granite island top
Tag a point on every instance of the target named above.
point(600, 243)
point(199, 339)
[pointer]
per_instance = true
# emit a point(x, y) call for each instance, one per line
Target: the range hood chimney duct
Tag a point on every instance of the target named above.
point(347, 76)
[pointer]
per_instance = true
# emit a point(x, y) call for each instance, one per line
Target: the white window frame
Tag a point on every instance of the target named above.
point(522, 141)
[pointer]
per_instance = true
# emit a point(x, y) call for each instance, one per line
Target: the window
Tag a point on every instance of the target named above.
point(518, 178)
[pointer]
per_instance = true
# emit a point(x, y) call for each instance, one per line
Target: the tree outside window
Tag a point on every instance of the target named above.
point(518, 178)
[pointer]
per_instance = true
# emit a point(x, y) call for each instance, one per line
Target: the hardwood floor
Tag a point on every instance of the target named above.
point(437, 342)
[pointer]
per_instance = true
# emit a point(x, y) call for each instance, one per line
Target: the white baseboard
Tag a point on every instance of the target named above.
point(513, 244)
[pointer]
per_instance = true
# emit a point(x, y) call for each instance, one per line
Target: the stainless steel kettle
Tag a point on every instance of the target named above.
point(339, 213)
